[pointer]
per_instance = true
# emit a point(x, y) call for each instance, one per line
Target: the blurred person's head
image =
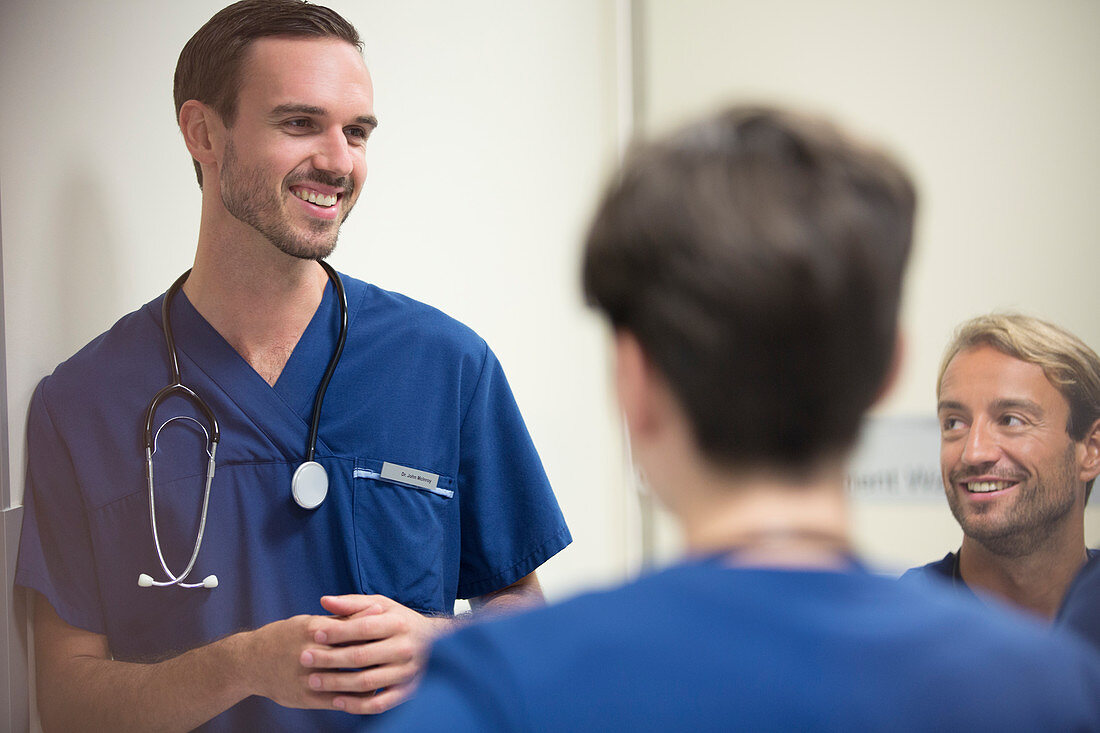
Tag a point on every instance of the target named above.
point(756, 260)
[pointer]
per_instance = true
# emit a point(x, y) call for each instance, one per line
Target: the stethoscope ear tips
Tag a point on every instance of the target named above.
point(210, 581)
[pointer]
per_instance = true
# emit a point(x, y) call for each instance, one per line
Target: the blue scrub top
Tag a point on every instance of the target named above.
point(414, 388)
point(946, 570)
point(1080, 610)
point(708, 647)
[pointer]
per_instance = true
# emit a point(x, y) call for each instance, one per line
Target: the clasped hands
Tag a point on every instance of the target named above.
point(365, 658)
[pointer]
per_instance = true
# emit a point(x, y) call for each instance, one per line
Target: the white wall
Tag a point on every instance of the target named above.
point(993, 105)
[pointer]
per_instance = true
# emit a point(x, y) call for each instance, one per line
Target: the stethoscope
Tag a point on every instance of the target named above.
point(308, 486)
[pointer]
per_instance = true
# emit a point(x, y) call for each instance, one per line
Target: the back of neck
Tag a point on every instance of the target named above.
point(768, 521)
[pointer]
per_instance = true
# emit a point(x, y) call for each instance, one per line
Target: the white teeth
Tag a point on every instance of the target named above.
point(984, 487)
point(315, 198)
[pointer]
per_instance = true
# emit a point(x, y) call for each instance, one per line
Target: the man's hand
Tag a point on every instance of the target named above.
point(368, 656)
point(275, 652)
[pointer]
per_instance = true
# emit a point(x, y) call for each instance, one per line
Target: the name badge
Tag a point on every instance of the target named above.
point(409, 476)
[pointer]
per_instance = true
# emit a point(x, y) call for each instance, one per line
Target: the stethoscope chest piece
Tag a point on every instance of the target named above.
point(309, 485)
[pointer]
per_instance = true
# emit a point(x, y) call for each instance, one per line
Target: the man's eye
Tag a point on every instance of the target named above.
point(1012, 421)
point(950, 423)
point(300, 124)
point(357, 132)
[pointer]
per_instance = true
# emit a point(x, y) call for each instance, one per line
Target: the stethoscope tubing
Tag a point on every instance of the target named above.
point(319, 400)
point(176, 386)
point(174, 579)
point(214, 434)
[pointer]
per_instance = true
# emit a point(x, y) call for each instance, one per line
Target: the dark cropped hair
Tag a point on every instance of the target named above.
point(757, 257)
point(209, 67)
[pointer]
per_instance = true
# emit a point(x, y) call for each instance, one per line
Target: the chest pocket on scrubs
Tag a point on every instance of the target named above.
point(400, 536)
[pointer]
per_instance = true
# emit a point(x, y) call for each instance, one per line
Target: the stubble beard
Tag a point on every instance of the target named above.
point(1034, 516)
point(247, 196)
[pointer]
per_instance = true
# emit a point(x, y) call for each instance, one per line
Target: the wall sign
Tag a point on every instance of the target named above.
point(897, 458)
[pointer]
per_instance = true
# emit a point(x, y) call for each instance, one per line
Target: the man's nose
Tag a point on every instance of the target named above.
point(333, 154)
point(981, 445)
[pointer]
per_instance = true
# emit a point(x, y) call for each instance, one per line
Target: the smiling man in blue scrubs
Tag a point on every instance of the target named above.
point(1019, 408)
point(435, 490)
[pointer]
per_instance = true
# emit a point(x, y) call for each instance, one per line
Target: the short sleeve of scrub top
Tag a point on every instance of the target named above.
point(56, 551)
point(497, 468)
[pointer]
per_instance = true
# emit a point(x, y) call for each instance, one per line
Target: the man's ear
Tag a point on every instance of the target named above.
point(634, 385)
point(1088, 454)
point(203, 132)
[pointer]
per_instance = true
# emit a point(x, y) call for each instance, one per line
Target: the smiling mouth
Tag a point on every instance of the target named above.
point(320, 199)
point(986, 487)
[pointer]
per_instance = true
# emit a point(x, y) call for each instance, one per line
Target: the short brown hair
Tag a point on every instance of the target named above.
point(757, 256)
point(209, 67)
